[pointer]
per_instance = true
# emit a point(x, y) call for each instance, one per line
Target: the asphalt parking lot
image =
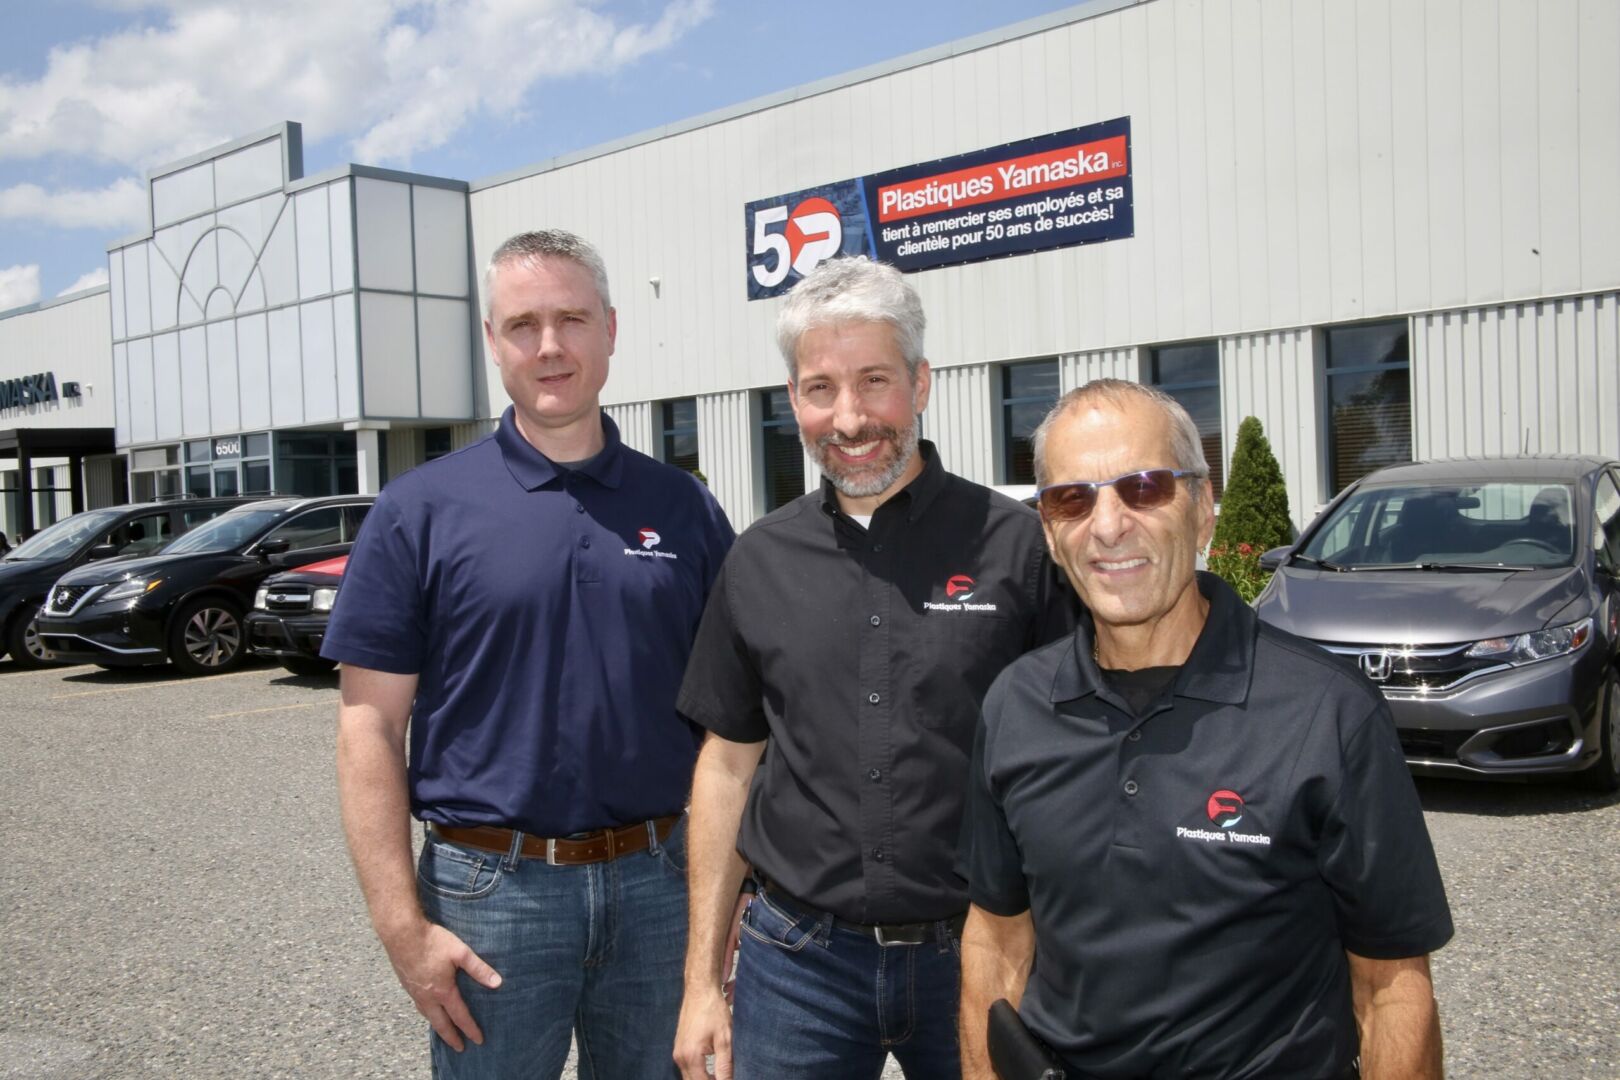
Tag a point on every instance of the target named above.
point(175, 899)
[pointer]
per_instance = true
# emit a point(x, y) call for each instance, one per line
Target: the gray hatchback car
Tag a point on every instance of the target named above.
point(1483, 599)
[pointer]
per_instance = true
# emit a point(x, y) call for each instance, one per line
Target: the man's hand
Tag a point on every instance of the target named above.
point(705, 1028)
point(426, 959)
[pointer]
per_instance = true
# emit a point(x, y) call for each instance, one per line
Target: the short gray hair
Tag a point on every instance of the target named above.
point(853, 289)
point(1186, 448)
point(548, 244)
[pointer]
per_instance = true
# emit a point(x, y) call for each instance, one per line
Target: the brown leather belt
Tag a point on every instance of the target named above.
point(601, 846)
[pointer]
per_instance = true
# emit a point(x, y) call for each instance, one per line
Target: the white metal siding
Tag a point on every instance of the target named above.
point(100, 484)
point(1519, 378)
point(728, 449)
point(635, 422)
point(1080, 368)
point(960, 421)
point(72, 341)
point(1273, 377)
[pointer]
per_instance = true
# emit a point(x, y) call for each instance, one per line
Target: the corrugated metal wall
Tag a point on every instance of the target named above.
point(1519, 378)
point(100, 483)
point(1273, 377)
point(1077, 369)
point(728, 451)
point(636, 427)
point(70, 339)
point(960, 420)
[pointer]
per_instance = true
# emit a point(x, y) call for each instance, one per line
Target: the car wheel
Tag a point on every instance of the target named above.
point(1604, 775)
point(206, 637)
point(308, 665)
point(22, 639)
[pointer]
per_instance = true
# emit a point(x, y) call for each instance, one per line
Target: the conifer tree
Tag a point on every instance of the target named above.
point(1254, 506)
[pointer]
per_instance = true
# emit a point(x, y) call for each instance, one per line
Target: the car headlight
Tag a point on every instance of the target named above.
point(260, 600)
point(1540, 645)
point(133, 587)
point(322, 600)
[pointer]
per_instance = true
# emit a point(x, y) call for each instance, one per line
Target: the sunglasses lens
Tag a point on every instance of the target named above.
point(1070, 502)
point(1146, 490)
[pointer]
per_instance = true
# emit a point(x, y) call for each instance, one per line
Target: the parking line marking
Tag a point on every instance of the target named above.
point(127, 687)
point(273, 708)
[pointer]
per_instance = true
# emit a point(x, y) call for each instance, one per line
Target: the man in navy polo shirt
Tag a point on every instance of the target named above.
point(524, 607)
point(1192, 843)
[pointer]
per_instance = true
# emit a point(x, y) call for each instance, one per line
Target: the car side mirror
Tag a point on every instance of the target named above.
point(103, 551)
point(273, 547)
point(1270, 560)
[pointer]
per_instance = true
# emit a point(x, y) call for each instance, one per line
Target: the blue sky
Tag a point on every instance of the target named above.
point(93, 93)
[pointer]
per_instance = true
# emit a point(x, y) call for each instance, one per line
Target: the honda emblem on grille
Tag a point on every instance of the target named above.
point(1377, 665)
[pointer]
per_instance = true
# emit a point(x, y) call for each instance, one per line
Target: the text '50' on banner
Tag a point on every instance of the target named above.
point(1052, 191)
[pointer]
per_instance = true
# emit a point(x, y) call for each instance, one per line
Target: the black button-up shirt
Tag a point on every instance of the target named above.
point(1196, 873)
point(863, 656)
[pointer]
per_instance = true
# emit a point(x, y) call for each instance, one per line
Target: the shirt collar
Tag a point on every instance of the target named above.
point(533, 470)
point(1219, 668)
point(918, 494)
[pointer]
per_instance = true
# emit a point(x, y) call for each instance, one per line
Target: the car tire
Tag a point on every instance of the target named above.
point(207, 637)
point(308, 665)
point(1604, 774)
point(22, 642)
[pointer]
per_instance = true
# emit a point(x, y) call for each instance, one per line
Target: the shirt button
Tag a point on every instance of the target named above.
point(876, 621)
point(877, 547)
point(1135, 736)
point(1131, 788)
point(877, 853)
point(579, 508)
point(875, 774)
point(585, 542)
point(873, 698)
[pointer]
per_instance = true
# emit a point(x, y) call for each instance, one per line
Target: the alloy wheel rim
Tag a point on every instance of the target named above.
point(212, 637)
point(31, 642)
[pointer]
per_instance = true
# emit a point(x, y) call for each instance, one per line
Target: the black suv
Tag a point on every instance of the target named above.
point(290, 613)
point(186, 604)
point(29, 570)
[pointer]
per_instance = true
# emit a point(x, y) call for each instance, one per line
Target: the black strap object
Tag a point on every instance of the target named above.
point(1015, 1052)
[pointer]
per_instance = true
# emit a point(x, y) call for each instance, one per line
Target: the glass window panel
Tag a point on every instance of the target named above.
point(681, 451)
point(143, 535)
point(1194, 362)
point(680, 414)
point(784, 467)
point(779, 406)
point(168, 483)
point(198, 451)
point(436, 441)
point(225, 483)
point(256, 478)
point(1029, 392)
point(308, 476)
point(198, 483)
point(313, 528)
point(1036, 379)
point(256, 445)
point(1372, 343)
point(1370, 417)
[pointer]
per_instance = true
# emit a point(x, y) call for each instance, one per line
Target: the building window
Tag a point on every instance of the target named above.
point(680, 433)
point(317, 463)
point(782, 456)
point(1191, 373)
point(436, 443)
point(1028, 392)
point(1369, 400)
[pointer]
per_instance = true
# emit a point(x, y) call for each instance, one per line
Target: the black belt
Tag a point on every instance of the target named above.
point(885, 934)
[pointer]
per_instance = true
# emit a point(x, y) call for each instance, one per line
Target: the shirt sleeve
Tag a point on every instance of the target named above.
point(378, 619)
point(722, 690)
point(987, 854)
point(1376, 856)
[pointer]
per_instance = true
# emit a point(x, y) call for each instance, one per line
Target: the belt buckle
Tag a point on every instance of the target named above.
point(551, 851)
point(910, 936)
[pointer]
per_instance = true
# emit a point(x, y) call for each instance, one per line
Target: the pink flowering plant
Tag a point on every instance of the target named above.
point(1239, 567)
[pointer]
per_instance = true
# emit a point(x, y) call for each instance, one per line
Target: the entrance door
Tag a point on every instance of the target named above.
point(227, 481)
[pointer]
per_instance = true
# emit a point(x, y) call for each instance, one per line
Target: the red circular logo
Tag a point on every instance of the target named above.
point(1225, 808)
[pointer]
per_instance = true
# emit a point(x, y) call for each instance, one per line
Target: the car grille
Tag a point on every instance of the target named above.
point(1416, 669)
point(66, 599)
point(288, 599)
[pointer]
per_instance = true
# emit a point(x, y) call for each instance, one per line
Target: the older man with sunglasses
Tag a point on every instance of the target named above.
point(1192, 844)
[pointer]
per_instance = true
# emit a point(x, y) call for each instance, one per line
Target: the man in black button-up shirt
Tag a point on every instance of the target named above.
point(1192, 842)
point(855, 632)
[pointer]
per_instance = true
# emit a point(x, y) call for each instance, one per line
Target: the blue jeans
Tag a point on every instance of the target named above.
point(817, 1000)
point(592, 951)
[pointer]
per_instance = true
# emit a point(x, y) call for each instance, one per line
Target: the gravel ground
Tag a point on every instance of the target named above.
point(175, 900)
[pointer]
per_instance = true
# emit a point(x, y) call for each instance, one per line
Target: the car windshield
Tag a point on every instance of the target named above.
point(226, 532)
point(1487, 524)
point(65, 537)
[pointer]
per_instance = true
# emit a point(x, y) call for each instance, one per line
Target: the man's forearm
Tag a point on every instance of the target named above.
point(1397, 1017)
point(375, 805)
point(714, 869)
point(997, 954)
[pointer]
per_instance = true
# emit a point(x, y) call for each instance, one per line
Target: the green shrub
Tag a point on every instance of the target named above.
point(1254, 512)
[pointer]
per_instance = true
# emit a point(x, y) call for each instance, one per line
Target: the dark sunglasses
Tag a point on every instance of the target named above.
point(1144, 490)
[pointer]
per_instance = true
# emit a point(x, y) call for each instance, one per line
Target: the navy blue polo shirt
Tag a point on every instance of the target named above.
point(1196, 873)
point(548, 613)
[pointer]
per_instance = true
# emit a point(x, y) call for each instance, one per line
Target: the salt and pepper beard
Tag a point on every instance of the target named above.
point(866, 483)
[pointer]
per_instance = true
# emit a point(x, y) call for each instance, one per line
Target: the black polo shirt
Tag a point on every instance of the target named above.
point(863, 655)
point(1195, 876)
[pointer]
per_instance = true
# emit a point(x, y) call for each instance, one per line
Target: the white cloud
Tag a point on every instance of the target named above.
point(119, 205)
point(393, 76)
point(19, 285)
point(95, 277)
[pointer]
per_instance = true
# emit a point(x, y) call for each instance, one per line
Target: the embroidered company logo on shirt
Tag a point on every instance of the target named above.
point(959, 589)
point(1225, 809)
point(649, 540)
